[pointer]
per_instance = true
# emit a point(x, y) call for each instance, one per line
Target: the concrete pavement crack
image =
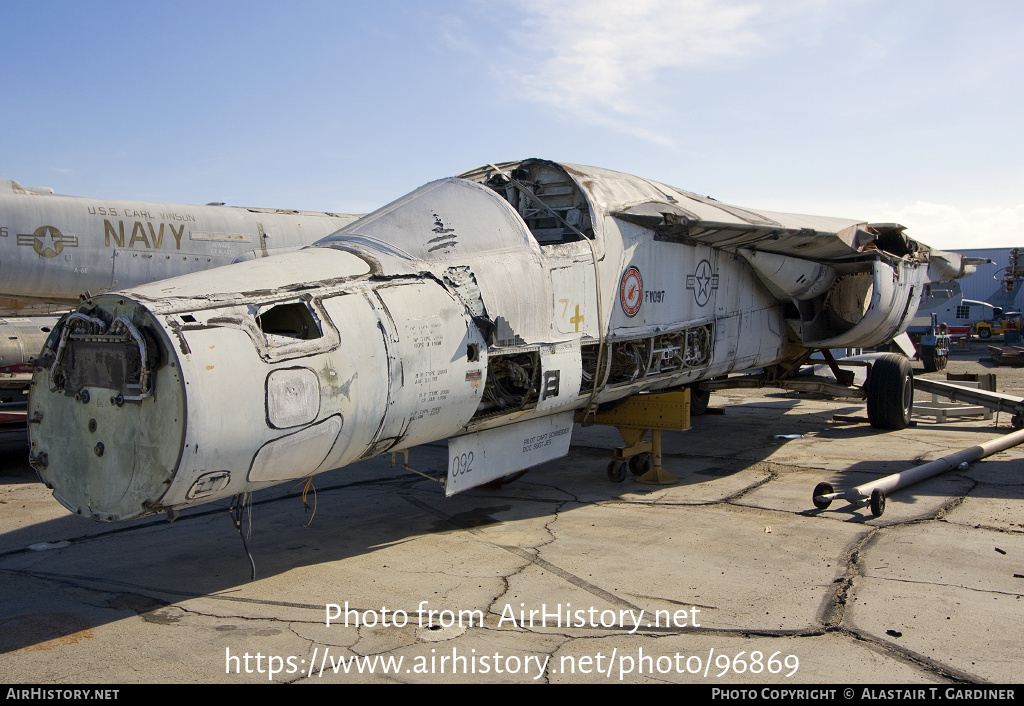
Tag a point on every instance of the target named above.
point(528, 556)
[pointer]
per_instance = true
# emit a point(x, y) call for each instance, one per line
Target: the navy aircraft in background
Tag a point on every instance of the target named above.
point(55, 248)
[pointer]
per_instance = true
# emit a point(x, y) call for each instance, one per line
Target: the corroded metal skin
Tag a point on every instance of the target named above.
point(229, 396)
point(106, 458)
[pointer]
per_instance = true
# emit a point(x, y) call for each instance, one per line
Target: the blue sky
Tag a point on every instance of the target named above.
point(907, 110)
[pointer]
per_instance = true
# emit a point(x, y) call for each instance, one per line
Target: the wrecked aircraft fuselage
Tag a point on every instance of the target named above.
point(490, 310)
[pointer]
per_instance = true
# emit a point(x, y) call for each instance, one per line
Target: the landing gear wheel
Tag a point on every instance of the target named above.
point(699, 400)
point(617, 471)
point(877, 502)
point(640, 464)
point(822, 489)
point(931, 360)
point(1017, 421)
point(890, 392)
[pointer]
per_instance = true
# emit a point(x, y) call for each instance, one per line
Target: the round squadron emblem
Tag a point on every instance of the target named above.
point(631, 291)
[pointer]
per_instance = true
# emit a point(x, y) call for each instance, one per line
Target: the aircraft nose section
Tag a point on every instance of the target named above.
point(106, 412)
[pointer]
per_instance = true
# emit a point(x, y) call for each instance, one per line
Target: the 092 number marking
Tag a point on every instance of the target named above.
point(462, 464)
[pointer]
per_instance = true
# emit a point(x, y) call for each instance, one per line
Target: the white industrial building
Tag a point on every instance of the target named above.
point(988, 279)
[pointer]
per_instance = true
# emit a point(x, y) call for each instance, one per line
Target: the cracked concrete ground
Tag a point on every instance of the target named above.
point(754, 582)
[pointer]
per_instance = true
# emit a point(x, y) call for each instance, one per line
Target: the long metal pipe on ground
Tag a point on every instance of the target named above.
point(874, 493)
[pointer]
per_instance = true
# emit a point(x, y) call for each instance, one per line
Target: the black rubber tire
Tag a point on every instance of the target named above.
point(822, 489)
point(617, 471)
point(890, 392)
point(877, 502)
point(641, 463)
point(931, 361)
point(984, 333)
point(699, 400)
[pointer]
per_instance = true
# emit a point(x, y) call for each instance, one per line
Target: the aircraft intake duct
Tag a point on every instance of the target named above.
point(791, 276)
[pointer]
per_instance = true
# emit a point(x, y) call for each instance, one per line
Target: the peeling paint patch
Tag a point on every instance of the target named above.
point(445, 239)
point(331, 383)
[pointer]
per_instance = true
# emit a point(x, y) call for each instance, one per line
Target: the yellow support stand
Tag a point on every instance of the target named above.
point(634, 418)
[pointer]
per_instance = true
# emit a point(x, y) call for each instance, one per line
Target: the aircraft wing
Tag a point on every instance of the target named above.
point(815, 238)
point(676, 215)
point(855, 283)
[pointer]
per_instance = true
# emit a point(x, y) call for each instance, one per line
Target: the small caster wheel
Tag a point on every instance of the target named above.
point(822, 489)
point(877, 502)
point(617, 471)
point(640, 464)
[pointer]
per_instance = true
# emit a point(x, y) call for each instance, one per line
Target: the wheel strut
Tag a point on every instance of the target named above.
point(634, 418)
point(657, 475)
point(643, 458)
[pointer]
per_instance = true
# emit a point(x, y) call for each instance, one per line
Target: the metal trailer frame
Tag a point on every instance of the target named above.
point(996, 401)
